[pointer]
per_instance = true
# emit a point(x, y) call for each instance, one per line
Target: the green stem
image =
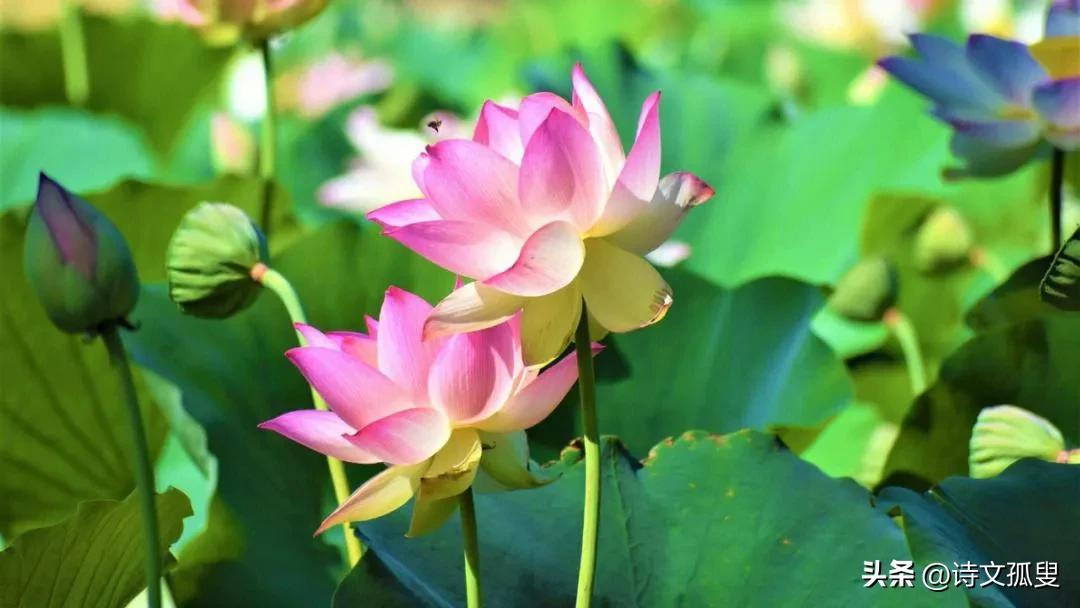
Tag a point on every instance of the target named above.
point(73, 54)
point(472, 548)
point(277, 283)
point(143, 468)
point(268, 141)
point(591, 514)
point(905, 334)
point(1057, 180)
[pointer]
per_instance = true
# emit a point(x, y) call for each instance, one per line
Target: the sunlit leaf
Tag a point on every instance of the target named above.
point(149, 72)
point(92, 559)
point(63, 424)
point(790, 202)
point(85, 151)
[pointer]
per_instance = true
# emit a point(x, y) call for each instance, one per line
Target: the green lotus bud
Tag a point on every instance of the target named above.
point(210, 259)
point(943, 242)
point(1004, 434)
point(1061, 285)
point(866, 291)
point(77, 262)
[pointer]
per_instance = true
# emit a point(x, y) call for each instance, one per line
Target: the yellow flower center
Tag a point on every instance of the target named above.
point(1013, 112)
point(1059, 56)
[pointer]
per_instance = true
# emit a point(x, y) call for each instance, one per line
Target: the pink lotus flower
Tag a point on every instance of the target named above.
point(232, 146)
point(225, 21)
point(542, 207)
point(381, 171)
point(436, 411)
point(314, 89)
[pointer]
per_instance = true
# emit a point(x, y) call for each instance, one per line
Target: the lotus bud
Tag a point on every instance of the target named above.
point(77, 262)
point(866, 291)
point(1061, 285)
point(944, 241)
point(210, 259)
point(1004, 434)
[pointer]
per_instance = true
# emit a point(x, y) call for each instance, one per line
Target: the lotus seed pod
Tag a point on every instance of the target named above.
point(944, 241)
point(77, 262)
point(866, 291)
point(1004, 434)
point(210, 258)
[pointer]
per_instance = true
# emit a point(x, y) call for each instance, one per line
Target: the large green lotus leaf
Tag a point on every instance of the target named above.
point(1014, 301)
point(233, 375)
point(1031, 364)
point(92, 559)
point(706, 520)
point(1025, 514)
point(721, 360)
point(149, 72)
point(63, 424)
point(790, 202)
point(84, 151)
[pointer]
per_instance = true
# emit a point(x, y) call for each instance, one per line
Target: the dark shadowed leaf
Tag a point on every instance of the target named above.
point(1025, 514)
point(706, 520)
point(1015, 300)
point(1061, 285)
point(1031, 364)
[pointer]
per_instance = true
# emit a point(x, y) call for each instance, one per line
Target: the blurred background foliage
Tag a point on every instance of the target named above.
point(818, 162)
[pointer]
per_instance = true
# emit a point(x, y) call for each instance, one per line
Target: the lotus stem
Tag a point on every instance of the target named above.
point(591, 515)
point(73, 54)
point(144, 471)
point(268, 141)
point(904, 331)
point(277, 283)
point(1057, 180)
point(472, 548)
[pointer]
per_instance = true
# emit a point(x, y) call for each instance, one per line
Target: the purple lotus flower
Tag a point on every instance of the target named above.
point(1005, 101)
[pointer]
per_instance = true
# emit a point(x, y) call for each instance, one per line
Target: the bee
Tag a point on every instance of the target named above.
point(434, 124)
